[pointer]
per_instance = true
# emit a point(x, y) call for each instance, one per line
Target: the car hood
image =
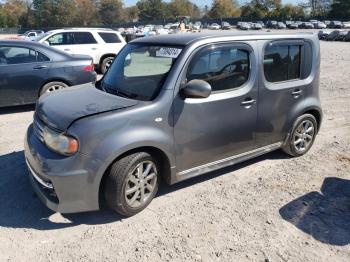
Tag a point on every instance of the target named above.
point(61, 108)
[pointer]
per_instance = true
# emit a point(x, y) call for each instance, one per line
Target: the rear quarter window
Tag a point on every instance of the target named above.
point(109, 37)
point(285, 62)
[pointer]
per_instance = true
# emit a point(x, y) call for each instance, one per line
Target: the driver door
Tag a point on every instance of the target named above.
point(223, 125)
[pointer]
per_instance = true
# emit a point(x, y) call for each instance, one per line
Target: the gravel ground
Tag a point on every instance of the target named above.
point(272, 208)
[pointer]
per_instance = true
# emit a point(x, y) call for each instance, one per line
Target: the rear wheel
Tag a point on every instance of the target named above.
point(106, 63)
point(302, 136)
point(132, 183)
point(52, 86)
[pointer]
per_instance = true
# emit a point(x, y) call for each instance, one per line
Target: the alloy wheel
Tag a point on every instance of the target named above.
point(303, 136)
point(140, 184)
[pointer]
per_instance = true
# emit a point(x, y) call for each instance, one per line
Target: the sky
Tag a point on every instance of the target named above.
point(202, 3)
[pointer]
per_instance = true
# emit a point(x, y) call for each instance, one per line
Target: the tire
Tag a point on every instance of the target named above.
point(302, 136)
point(52, 86)
point(106, 63)
point(123, 177)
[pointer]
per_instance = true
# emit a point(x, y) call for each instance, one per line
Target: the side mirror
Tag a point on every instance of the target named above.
point(46, 42)
point(196, 89)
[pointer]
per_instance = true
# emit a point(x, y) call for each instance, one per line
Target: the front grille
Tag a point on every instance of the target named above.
point(39, 128)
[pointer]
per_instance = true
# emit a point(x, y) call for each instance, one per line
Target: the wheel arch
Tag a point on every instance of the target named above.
point(159, 154)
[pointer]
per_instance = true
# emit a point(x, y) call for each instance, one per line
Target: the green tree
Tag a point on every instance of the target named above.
point(183, 8)
point(54, 13)
point(151, 9)
point(110, 11)
point(224, 8)
point(13, 10)
point(131, 13)
point(85, 13)
point(340, 9)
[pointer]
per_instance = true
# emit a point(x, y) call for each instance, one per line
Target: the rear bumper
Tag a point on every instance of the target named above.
point(63, 184)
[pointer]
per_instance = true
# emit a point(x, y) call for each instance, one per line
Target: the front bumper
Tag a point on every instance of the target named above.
point(63, 184)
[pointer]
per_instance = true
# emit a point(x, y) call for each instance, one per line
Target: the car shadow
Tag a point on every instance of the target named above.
point(326, 215)
point(16, 109)
point(21, 208)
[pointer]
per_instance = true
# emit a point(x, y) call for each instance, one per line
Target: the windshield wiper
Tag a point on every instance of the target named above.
point(118, 92)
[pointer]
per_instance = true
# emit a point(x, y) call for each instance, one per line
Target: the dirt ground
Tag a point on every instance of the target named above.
point(272, 208)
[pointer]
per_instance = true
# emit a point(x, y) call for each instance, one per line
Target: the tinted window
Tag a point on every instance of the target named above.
point(61, 39)
point(16, 55)
point(84, 38)
point(110, 37)
point(282, 62)
point(223, 68)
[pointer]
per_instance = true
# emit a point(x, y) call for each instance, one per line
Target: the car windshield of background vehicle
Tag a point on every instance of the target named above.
point(140, 70)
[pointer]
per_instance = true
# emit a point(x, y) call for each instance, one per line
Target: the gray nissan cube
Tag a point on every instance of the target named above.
point(170, 108)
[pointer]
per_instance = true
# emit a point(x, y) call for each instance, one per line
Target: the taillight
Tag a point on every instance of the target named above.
point(89, 68)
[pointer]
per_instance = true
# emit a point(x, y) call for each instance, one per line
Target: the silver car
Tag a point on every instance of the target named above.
point(173, 107)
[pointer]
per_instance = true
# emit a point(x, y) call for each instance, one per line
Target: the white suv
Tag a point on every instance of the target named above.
point(101, 44)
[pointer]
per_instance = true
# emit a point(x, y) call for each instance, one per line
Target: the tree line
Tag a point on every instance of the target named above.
point(61, 13)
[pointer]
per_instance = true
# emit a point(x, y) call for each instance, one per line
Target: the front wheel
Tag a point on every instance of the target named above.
point(302, 136)
point(132, 183)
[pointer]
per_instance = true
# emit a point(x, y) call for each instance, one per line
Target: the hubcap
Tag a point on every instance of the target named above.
point(140, 184)
point(303, 136)
point(54, 88)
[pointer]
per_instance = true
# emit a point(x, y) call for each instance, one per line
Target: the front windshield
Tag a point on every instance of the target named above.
point(140, 70)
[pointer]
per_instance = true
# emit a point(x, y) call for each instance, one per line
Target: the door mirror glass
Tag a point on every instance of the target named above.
point(196, 89)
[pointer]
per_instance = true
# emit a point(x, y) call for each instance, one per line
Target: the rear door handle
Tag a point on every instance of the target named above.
point(67, 49)
point(296, 92)
point(93, 48)
point(248, 102)
point(40, 67)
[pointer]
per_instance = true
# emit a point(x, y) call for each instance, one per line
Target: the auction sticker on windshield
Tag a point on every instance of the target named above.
point(168, 52)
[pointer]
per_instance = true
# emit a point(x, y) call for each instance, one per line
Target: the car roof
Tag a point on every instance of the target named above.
point(82, 29)
point(189, 38)
point(23, 43)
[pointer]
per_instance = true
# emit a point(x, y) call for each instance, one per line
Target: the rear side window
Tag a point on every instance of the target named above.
point(82, 38)
point(282, 62)
point(20, 55)
point(224, 67)
point(110, 37)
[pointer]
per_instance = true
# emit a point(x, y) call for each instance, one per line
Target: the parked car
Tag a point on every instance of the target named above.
point(292, 25)
point(306, 25)
point(244, 26)
point(271, 24)
point(281, 25)
point(31, 33)
point(335, 24)
point(323, 34)
point(333, 35)
point(197, 26)
point(346, 25)
point(320, 25)
point(175, 115)
point(261, 23)
point(256, 26)
point(101, 44)
point(214, 26)
point(225, 26)
point(341, 36)
point(347, 37)
point(29, 69)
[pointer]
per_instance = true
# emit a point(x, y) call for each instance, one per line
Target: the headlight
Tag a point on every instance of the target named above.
point(60, 143)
